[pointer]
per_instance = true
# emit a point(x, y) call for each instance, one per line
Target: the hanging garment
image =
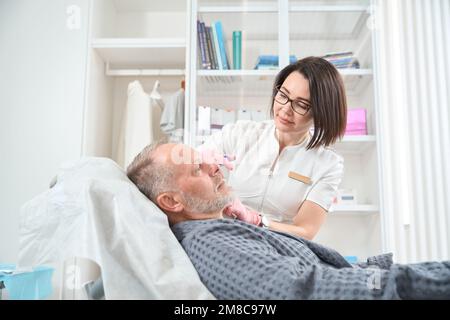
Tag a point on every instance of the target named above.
point(172, 118)
point(140, 123)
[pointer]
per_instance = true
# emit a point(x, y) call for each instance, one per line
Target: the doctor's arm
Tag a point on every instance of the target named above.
point(313, 211)
point(310, 216)
point(306, 223)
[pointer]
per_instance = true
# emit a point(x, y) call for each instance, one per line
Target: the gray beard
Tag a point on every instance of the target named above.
point(198, 205)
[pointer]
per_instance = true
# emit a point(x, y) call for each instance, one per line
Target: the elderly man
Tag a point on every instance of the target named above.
point(239, 260)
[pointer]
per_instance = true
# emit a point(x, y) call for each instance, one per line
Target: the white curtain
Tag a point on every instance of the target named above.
point(412, 77)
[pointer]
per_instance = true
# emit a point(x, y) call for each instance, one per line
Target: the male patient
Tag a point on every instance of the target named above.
point(238, 260)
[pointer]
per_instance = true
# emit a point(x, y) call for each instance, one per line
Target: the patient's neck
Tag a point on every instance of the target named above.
point(177, 217)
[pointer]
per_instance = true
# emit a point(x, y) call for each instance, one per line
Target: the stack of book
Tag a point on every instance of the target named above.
point(270, 62)
point(343, 60)
point(213, 49)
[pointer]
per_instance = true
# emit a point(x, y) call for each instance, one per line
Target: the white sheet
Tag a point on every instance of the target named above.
point(94, 211)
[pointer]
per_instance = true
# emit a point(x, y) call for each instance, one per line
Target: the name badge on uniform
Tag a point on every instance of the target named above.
point(299, 177)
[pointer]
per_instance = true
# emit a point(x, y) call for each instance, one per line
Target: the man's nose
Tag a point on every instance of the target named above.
point(213, 169)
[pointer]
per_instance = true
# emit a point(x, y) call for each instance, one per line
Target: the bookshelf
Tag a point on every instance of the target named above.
point(326, 26)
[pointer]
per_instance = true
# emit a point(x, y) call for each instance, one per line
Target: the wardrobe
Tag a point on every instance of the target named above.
point(129, 41)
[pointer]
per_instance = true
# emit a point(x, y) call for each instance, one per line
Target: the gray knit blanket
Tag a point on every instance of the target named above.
point(236, 260)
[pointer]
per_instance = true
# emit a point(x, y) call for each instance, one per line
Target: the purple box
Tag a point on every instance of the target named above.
point(356, 122)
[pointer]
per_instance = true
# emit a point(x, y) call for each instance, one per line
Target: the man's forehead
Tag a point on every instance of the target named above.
point(180, 154)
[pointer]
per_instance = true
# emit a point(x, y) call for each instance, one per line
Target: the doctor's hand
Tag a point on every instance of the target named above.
point(210, 156)
point(237, 210)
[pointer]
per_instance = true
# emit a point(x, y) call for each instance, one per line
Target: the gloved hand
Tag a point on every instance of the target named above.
point(237, 210)
point(211, 156)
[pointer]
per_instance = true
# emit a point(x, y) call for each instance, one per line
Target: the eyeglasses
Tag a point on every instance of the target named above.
point(300, 106)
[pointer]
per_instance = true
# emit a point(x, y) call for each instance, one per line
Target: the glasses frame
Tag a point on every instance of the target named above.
point(278, 90)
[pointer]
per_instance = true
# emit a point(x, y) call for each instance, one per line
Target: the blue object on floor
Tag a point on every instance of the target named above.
point(351, 259)
point(33, 284)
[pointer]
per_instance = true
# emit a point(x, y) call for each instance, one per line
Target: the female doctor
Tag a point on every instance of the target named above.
point(284, 176)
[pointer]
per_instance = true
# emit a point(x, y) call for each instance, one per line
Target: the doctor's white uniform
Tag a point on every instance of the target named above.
point(261, 175)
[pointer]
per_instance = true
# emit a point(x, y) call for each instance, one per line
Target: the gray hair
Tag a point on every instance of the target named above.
point(151, 177)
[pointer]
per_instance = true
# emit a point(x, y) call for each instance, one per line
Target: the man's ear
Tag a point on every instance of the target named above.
point(168, 201)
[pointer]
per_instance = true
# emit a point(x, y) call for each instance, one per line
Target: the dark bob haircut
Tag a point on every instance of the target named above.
point(327, 98)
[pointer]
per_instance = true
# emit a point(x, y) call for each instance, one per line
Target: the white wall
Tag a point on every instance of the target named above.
point(42, 66)
point(98, 115)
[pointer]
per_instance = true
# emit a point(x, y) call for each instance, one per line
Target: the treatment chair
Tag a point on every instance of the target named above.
point(104, 238)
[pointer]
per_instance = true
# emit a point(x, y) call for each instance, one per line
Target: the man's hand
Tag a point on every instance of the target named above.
point(237, 210)
point(213, 157)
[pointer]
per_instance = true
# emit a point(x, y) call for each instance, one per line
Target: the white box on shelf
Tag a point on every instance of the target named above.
point(345, 196)
point(204, 120)
point(229, 116)
point(259, 115)
point(216, 118)
point(244, 114)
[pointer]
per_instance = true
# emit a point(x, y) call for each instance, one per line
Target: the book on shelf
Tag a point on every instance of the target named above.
point(213, 47)
point(217, 47)
point(337, 54)
point(271, 62)
point(206, 63)
point(210, 45)
point(237, 50)
point(342, 60)
point(266, 67)
point(208, 53)
point(222, 45)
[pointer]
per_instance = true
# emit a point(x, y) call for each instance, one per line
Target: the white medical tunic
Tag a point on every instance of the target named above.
point(260, 176)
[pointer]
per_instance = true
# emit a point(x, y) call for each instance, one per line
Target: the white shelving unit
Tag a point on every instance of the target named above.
point(355, 80)
point(142, 54)
point(232, 73)
point(355, 144)
point(358, 209)
point(157, 40)
point(130, 40)
point(302, 28)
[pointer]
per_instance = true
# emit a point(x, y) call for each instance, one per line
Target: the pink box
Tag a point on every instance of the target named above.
point(356, 122)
